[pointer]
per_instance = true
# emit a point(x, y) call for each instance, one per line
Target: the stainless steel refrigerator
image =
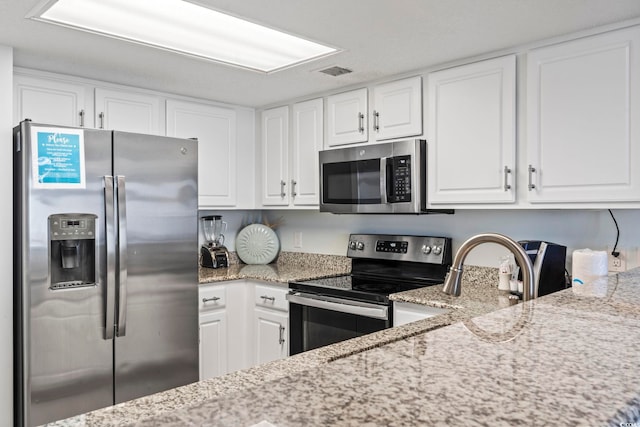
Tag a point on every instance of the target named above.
point(105, 268)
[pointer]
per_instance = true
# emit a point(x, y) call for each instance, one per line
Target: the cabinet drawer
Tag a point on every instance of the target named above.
point(211, 298)
point(272, 297)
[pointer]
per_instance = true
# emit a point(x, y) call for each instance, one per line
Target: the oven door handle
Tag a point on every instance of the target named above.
point(340, 305)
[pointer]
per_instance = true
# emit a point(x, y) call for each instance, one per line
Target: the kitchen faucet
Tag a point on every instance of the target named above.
point(452, 283)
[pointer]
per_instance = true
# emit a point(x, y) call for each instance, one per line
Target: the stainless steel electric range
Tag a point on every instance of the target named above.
point(333, 309)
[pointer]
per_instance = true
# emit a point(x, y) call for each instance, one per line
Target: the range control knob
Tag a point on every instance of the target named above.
point(426, 249)
point(437, 250)
point(352, 245)
point(359, 246)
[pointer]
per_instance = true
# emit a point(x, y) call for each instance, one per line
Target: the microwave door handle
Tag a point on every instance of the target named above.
point(383, 180)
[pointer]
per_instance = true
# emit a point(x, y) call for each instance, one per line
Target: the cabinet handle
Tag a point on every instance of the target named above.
point(266, 298)
point(376, 121)
point(281, 338)
point(531, 172)
point(282, 192)
point(101, 117)
point(360, 122)
point(293, 188)
point(507, 171)
point(206, 300)
point(81, 118)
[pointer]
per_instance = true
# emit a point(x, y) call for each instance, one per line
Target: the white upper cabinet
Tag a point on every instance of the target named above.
point(397, 109)
point(306, 143)
point(583, 111)
point(49, 101)
point(347, 117)
point(215, 129)
point(274, 183)
point(472, 133)
point(127, 111)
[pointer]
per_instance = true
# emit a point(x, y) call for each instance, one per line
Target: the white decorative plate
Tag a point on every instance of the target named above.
point(257, 244)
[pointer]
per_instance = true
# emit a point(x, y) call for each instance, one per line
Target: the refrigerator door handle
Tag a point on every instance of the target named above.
point(110, 237)
point(121, 329)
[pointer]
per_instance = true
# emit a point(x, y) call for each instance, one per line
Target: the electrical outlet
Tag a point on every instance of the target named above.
point(617, 264)
point(297, 239)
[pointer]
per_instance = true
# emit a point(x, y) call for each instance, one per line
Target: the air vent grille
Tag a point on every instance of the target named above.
point(336, 71)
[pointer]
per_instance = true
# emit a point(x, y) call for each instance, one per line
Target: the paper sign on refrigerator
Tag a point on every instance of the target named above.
point(59, 158)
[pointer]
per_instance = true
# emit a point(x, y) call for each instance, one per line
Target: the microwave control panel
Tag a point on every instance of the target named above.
point(401, 180)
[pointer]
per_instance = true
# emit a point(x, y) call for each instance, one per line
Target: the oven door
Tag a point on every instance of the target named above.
point(319, 320)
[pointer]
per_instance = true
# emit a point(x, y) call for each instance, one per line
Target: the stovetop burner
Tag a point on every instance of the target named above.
point(383, 265)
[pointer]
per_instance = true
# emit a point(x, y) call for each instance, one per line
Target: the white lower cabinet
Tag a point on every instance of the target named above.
point(213, 331)
point(271, 335)
point(271, 323)
point(242, 324)
point(213, 340)
point(406, 312)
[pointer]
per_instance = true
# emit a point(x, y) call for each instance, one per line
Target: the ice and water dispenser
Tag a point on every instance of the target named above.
point(72, 250)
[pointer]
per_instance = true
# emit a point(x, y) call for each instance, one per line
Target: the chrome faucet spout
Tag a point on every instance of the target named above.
point(453, 281)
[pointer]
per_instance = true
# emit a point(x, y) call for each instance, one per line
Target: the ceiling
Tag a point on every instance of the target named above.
point(379, 38)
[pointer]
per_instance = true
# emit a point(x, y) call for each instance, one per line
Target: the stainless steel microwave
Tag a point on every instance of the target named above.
point(380, 178)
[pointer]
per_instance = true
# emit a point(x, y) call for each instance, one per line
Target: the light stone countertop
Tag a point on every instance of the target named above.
point(563, 359)
point(290, 266)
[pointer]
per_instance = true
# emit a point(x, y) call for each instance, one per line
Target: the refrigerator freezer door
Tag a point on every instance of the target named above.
point(63, 363)
point(159, 347)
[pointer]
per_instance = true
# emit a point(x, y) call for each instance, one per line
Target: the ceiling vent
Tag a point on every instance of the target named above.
point(336, 71)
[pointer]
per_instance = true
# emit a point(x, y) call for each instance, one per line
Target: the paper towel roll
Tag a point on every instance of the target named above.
point(589, 270)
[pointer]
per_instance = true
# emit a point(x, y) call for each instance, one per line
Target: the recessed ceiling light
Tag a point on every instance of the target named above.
point(187, 28)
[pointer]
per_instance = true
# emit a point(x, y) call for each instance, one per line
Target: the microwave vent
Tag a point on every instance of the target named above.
point(336, 71)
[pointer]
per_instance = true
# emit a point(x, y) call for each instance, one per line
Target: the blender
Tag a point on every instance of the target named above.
point(213, 254)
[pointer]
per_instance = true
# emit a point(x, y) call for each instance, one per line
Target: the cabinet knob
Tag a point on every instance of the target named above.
point(376, 121)
point(267, 298)
point(81, 114)
point(360, 122)
point(283, 194)
point(206, 300)
point(281, 337)
point(101, 117)
point(293, 188)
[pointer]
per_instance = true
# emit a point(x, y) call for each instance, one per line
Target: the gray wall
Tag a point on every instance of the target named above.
point(577, 229)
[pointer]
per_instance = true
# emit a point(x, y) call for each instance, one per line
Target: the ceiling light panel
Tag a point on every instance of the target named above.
point(186, 28)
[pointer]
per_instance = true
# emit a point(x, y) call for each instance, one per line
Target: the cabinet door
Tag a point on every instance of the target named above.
point(405, 312)
point(307, 142)
point(215, 128)
point(275, 166)
point(347, 117)
point(583, 107)
point(271, 335)
point(49, 101)
point(397, 109)
point(128, 112)
point(213, 344)
point(472, 133)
